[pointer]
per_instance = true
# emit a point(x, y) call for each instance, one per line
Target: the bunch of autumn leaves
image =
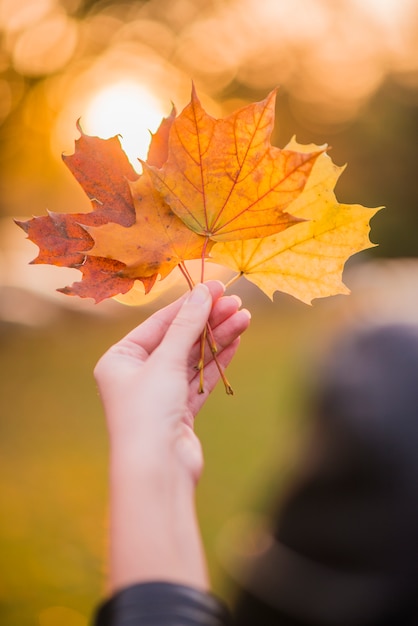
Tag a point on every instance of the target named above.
point(211, 189)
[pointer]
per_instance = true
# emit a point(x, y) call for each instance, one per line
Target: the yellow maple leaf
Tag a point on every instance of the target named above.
point(306, 260)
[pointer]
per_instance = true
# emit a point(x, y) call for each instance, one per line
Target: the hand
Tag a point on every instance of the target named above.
point(148, 381)
point(149, 388)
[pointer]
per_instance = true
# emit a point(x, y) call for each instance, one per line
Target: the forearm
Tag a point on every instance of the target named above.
point(149, 388)
point(154, 534)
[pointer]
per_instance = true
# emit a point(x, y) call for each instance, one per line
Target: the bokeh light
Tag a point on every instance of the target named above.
point(128, 109)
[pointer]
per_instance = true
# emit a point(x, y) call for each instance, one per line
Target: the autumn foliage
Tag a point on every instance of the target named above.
point(211, 189)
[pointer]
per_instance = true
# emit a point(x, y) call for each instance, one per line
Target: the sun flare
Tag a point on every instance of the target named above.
point(128, 109)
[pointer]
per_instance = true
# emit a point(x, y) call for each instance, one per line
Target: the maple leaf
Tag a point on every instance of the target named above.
point(103, 171)
point(306, 261)
point(156, 243)
point(223, 177)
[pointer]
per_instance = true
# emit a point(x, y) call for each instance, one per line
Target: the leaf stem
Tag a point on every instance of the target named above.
point(207, 335)
point(183, 269)
point(234, 279)
point(214, 349)
point(204, 333)
point(201, 364)
point(202, 271)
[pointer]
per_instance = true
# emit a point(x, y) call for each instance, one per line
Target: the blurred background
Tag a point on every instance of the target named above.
point(348, 76)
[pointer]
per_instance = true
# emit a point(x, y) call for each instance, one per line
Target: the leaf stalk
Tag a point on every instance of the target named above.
point(206, 336)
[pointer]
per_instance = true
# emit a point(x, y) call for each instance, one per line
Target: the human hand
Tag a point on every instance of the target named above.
point(149, 387)
point(148, 381)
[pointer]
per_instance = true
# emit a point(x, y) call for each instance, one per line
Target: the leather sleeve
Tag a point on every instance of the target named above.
point(162, 604)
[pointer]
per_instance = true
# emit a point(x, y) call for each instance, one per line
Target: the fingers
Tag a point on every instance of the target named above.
point(227, 337)
point(176, 330)
point(149, 334)
point(211, 377)
point(231, 328)
point(223, 308)
point(226, 322)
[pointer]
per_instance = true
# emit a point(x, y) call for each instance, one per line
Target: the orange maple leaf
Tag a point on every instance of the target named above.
point(156, 243)
point(223, 177)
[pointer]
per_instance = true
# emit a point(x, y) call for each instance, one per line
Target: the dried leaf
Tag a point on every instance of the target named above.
point(224, 179)
point(100, 280)
point(155, 244)
point(103, 170)
point(306, 260)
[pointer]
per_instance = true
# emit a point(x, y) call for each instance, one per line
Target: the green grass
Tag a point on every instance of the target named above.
point(54, 453)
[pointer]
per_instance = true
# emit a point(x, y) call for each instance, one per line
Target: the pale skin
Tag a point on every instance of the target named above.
point(149, 386)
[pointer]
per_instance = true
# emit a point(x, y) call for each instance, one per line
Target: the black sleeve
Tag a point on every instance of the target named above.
point(162, 604)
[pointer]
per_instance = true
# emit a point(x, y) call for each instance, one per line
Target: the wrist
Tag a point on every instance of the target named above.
point(164, 455)
point(149, 471)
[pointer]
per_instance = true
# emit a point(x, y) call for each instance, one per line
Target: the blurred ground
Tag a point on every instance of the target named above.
point(348, 76)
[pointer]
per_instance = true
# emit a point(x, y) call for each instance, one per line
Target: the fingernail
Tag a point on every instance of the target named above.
point(237, 298)
point(221, 284)
point(199, 294)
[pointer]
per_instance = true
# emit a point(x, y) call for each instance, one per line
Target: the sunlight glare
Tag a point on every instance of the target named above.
point(127, 109)
point(385, 10)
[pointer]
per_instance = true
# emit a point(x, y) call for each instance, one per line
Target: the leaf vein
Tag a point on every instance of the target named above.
point(240, 165)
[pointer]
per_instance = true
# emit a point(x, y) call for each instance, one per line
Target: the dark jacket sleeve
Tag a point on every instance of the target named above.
point(162, 604)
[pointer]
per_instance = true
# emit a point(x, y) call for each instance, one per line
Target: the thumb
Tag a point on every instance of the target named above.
point(188, 324)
